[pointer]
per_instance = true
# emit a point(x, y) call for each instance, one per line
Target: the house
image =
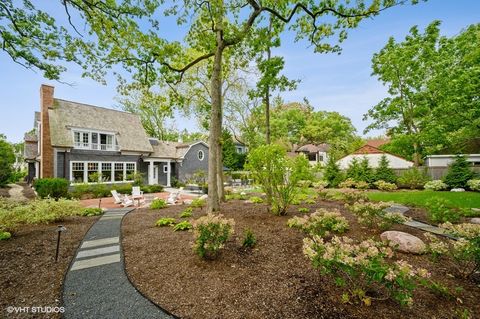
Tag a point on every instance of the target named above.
point(85, 143)
point(240, 147)
point(316, 154)
point(371, 150)
point(445, 160)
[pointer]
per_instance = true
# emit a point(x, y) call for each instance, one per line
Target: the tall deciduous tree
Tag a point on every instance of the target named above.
point(128, 33)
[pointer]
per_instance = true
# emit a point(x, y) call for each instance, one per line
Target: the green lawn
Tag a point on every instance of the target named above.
point(418, 198)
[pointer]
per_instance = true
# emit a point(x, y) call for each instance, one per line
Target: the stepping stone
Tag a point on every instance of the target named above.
point(397, 208)
point(457, 190)
point(100, 242)
point(404, 242)
point(475, 220)
point(95, 262)
point(98, 251)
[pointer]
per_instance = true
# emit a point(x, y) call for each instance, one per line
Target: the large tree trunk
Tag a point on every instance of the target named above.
point(220, 179)
point(213, 202)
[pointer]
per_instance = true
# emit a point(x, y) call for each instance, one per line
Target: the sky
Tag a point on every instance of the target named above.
point(331, 82)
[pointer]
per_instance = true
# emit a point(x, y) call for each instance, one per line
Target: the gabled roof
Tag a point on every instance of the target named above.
point(377, 142)
point(67, 115)
point(312, 148)
point(30, 150)
point(173, 150)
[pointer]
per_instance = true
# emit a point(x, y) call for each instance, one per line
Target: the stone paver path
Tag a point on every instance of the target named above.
point(96, 285)
point(16, 192)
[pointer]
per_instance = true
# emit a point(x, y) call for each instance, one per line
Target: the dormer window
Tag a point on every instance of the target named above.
point(91, 140)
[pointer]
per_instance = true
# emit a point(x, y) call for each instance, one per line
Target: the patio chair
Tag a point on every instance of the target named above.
point(174, 197)
point(137, 194)
point(127, 201)
point(116, 196)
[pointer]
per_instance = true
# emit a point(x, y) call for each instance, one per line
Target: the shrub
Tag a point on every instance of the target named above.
point(459, 173)
point(385, 186)
point(362, 185)
point(435, 185)
point(466, 250)
point(439, 210)
point(320, 223)
point(305, 184)
point(413, 178)
point(363, 267)
point(187, 213)
point(320, 184)
point(198, 203)
point(91, 211)
point(158, 204)
point(348, 183)
point(249, 239)
point(165, 221)
point(4, 235)
point(51, 187)
point(79, 189)
point(384, 172)
point(7, 158)
point(351, 195)
point(277, 174)
point(182, 226)
point(374, 214)
point(211, 232)
point(332, 174)
point(151, 188)
point(304, 210)
point(435, 247)
point(99, 190)
point(123, 188)
point(310, 201)
point(256, 200)
point(474, 184)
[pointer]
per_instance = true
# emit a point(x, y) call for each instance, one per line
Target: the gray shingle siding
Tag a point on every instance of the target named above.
point(191, 163)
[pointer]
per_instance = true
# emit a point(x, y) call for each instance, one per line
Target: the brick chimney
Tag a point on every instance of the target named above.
point(46, 149)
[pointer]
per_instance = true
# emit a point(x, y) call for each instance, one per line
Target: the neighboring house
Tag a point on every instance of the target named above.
point(445, 160)
point(372, 152)
point(240, 147)
point(316, 154)
point(74, 141)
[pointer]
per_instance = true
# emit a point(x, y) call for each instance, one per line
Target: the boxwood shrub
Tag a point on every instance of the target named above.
point(51, 187)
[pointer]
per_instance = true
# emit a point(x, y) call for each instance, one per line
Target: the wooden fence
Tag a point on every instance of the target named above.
point(434, 172)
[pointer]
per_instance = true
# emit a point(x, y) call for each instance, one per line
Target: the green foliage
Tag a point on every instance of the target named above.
point(459, 173)
point(165, 221)
point(17, 176)
point(158, 203)
point(51, 187)
point(362, 267)
point(198, 203)
point(304, 210)
point(384, 172)
point(413, 178)
point(320, 223)
point(91, 211)
point(211, 233)
point(277, 174)
point(44, 211)
point(137, 178)
point(4, 235)
point(187, 213)
point(439, 211)
point(474, 185)
point(152, 188)
point(231, 159)
point(385, 186)
point(182, 226)
point(374, 214)
point(332, 174)
point(249, 239)
point(256, 200)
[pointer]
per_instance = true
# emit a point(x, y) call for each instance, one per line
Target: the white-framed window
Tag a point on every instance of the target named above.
point(102, 172)
point(200, 155)
point(165, 168)
point(94, 140)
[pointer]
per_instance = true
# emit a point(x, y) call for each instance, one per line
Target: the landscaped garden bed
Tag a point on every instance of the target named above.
point(274, 279)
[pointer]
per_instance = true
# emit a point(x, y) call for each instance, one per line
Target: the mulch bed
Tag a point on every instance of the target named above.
point(4, 191)
point(274, 280)
point(29, 275)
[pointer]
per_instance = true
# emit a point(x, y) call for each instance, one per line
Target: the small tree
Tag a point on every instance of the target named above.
point(354, 170)
point(333, 175)
point(459, 173)
point(7, 158)
point(384, 172)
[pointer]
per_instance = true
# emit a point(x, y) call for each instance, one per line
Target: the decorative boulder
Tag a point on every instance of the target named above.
point(203, 197)
point(475, 220)
point(457, 190)
point(404, 242)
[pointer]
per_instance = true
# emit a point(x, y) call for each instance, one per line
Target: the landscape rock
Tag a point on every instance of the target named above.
point(404, 242)
point(187, 202)
point(475, 220)
point(457, 190)
point(203, 197)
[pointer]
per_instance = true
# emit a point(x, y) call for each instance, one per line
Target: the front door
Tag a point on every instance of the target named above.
point(155, 174)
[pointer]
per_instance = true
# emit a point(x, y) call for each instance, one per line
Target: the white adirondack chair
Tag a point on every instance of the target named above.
point(174, 197)
point(136, 192)
point(127, 201)
point(116, 196)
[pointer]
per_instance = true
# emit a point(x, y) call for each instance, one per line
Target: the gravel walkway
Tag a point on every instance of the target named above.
point(96, 285)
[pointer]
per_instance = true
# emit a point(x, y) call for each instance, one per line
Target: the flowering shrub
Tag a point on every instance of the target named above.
point(211, 232)
point(351, 195)
point(165, 221)
point(320, 223)
point(438, 210)
point(466, 250)
point(385, 186)
point(474, 184)
point(158, 204)
point(362, 185)
point(413, 178)
point(364, 266)
point(374, 214)
point(348, 183)
point(435, 185)
point(435, 246)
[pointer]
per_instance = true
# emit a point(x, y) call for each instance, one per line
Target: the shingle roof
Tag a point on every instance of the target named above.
point(377, 142)
point(167, 149)
point(30, 150)
point(66, 115)
point(311, 148)
point(30, 137)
